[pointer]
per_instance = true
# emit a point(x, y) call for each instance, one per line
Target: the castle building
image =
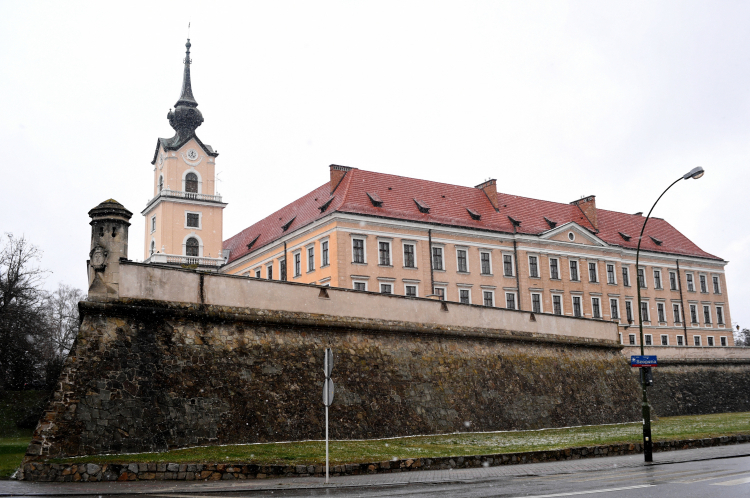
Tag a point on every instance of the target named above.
point(184, 217)
point(375, 232)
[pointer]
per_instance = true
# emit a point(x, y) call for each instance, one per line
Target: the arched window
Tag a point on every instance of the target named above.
point(161, 182)
point(153, 246)
point(191, 247)
point(191, 183)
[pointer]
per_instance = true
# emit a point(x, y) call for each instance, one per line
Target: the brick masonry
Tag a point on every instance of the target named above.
point(151, 376)
point(92, 472)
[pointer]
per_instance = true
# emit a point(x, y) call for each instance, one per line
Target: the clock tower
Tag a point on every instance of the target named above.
point(184, 216)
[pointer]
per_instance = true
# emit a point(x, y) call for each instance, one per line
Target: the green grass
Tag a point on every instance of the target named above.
point(12, 450)
point(460, 444)
point(14, 407)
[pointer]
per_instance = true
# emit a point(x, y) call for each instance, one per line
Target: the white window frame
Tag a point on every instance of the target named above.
point(676, 281)
point(363, 238)
point(664, 312)
point(570, 269)
point(296, 258)
point(492, 293)
point(614, 272)
point(705, 279)
point(705, 307)
point(538, 266)
point(153, 223)
point(620, 335)
point(383, 240)
point(647, 318)
point(270, 265)
point(709, 341)
point(200, 179)
point(634, 341)
point(573, 306)
point(632, 312)
point(515, 299)
point(200, 220)
point(389, 284)
point(200, 245)
point(356, 281)
point(662, 336)
point(444, 288)
point(512, 264)
point(723, 341)
point(626, 269)
point(648, 340)
point(412, 284)
point(601, 314)
point(718, 284)
point(638, 277)
point(327, 241)
point(152, 247)
point(489, 260)
point(697, 317)
point(541, 302)
point(658, 271)
point(559, 271)
point(442, 257)
point(310, 261)
point(562, 304)
point(680, 340)
point(690, 279)
point(258, 272)
point(723, 317)
point(463, 288)
point(412, 243)
point(619, 313)
point(700, 343)
point(679, 312)
point(466, 250)
point(596, 272)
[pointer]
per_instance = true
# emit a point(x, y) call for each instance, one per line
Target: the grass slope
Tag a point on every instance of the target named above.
point(466, 444)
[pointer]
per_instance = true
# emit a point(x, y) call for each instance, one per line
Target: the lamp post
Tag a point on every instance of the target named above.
point(694, 173)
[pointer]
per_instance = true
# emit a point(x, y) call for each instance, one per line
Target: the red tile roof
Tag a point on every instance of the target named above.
point(449, 205)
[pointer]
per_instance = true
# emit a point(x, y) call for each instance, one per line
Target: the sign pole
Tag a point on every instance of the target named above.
point(327, 396)
point(326, 444)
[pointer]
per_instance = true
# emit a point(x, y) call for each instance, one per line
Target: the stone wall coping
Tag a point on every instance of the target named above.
point(126, 307)
point(94, 472)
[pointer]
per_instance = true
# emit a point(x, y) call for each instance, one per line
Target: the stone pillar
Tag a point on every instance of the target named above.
point(109, 244)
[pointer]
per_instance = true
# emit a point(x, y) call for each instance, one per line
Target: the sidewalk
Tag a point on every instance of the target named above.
point(13, 488)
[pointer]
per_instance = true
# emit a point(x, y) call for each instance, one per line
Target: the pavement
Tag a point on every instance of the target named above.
point(472, 475)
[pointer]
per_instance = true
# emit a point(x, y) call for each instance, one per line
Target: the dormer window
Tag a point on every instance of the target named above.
point(624, 235)
point(552, 224)
point(191, 183)
point(656, 241)
point(375, 199)
point(474, 215)
point(423, 208)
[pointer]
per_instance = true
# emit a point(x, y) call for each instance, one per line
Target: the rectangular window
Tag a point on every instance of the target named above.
point(554, 269)
point(676, 313)
point(507, 265)
point(489, 298)
point(629, 311)
point(269, 272)
point(409, 261)
point(596, 311)
point(672, 280)
point(707, 315)
point(647, 340)
point(697, 340)
point(484, 257)
point(661, 314)
point(533, 267)
point(411, 290)
point(693, 314)
point(282, 268)
point(440, 292)
point(359, 250)
point(657, 279)
point(577, 306)
point(574, 270)
point(631, 339)
point(664, 340)
point(461, 257)
point(710, 341)
point(720, 315)
point(536, 303)
point(386, 289)
point(437, 258)
point(611, 274)
point(723, 341)
point(644, 311)
point(557, 305)
point(680, 340)
point(704, 287)
point(510, 300)
point(193, 220)
point(297, 264)
point(310, 258)
point(620, 335)
point(257, 273)
point(153, 225)
point(463, 296)
point(625, 276)
point(324, 253)
point(690, 282)
point(593, 277)
point(360, 286)
point(642, 278)
point(384, 250)
point(613, 309)
point(717, 287)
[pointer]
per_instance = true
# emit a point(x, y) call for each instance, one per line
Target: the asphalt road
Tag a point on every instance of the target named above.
point(725, 478)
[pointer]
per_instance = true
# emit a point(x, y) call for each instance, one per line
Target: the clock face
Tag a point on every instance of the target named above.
point(192, 154)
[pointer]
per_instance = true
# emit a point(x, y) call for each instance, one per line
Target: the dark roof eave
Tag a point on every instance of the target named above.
point(161, 142)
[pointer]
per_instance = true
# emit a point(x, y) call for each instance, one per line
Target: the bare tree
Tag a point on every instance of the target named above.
point(62, 318)
point(742, 337)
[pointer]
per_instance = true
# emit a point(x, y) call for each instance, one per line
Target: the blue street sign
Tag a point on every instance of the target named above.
point(643, 361)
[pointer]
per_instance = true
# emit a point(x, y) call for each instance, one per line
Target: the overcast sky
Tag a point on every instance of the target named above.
point(554, 99)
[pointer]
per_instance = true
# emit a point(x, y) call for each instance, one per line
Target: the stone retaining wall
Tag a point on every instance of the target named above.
point(40, 471)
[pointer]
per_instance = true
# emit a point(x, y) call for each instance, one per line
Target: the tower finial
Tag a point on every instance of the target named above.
point(186, 117)
point(186, 97)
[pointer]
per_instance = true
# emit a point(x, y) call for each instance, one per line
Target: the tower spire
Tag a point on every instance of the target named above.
point(186, 96)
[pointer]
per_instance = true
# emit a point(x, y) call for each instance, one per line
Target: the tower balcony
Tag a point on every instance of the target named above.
point(166, 194)
point(178, 260)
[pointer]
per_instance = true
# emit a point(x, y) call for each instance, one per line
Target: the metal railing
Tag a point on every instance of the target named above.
point(179, 194)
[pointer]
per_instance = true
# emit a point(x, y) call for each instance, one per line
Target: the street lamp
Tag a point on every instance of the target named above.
point(694, 173)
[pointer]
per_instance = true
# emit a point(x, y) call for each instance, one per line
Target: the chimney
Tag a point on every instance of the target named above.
point(587, 205)
point(337, 174)
point(490, 189)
